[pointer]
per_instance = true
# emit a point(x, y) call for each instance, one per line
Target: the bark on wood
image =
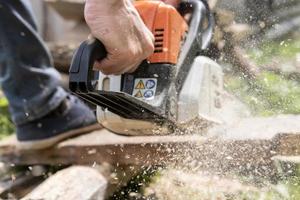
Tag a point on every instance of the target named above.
point(76, 183)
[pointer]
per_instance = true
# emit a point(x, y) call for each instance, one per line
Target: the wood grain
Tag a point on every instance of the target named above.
point(82, 183)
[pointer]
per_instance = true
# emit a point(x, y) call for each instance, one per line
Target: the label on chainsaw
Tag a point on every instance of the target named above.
point(145, 88)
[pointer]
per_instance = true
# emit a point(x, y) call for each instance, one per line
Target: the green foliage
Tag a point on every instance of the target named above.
point(280, 51)
point(294, 190)
point(6, 126)
point(269, 94)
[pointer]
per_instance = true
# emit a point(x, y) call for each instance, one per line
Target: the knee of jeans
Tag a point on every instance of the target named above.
point(4, 69)
point(9, 70)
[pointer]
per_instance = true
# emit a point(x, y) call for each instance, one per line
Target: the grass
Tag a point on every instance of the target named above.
point(293, 189)
point(6, 125)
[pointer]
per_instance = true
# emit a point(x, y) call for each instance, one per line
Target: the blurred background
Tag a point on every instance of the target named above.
point(257, 42)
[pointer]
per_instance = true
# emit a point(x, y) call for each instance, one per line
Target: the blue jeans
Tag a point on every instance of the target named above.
point(27, 77)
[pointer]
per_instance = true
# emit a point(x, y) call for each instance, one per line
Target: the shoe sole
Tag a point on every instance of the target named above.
point(47, 143)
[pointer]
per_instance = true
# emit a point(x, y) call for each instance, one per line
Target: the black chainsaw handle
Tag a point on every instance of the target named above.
point(82, 75)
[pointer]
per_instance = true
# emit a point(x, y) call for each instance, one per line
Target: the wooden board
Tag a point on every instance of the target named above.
point(99, 146)
point(192, 152)
point(245, 146)
point(76, 182)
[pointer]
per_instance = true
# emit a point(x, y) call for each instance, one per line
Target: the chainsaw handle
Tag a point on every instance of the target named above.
point(200, 12)
point(207, 34)
point(197, 38)
point(82, 75)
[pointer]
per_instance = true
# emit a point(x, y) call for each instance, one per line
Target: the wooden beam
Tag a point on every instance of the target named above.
point(72, 183)
point(245, 146)
point(192, 152)
point(97, 147)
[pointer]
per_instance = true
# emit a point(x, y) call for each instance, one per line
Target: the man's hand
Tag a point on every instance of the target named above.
point(117, 24)
point(174, 3)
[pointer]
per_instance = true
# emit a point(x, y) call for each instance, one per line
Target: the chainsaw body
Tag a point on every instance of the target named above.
point(198, 102)
point(172, 87)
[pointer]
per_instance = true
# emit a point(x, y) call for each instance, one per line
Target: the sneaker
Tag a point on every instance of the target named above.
point(70, 119)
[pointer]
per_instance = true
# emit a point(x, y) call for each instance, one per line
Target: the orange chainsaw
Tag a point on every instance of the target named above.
point(158, 94)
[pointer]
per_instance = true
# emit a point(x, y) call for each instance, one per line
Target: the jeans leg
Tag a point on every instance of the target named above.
point(27, 77)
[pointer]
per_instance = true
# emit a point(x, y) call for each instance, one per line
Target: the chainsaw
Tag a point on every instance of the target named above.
point(173, 87)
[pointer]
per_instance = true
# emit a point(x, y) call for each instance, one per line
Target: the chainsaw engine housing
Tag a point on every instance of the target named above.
point(148, 99)
point(199, 100)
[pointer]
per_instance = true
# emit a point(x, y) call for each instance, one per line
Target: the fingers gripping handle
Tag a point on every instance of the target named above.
point(82, 74)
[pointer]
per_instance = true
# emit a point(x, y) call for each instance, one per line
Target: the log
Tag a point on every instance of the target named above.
point(76, 183)
point(243, 148)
